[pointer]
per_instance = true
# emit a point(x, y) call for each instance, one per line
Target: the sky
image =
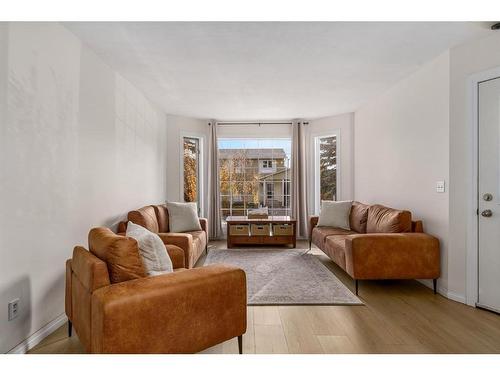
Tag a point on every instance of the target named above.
point(285, 144)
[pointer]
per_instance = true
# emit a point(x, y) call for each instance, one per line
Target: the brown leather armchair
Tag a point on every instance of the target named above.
point(181, 312)
point(155, 219)
point(383, 243)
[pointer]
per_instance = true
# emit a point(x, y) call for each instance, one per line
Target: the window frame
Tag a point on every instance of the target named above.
point(267, 166)
point(200, 169)
point(287, 191)
point(316, 167)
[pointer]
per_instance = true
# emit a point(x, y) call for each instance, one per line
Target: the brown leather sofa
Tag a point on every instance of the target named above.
point(115, 308)
point(383, 243)
point(155, 219)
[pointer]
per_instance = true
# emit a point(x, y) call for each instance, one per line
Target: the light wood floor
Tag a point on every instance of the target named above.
point(398, 317)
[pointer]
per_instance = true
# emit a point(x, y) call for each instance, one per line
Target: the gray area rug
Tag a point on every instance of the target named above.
point(285, 277)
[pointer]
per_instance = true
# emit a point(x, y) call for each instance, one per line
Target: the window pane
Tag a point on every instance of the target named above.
point(254, 173)
point(191, 169)
point(328, 168)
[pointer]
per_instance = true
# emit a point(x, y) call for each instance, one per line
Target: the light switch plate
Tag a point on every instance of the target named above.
point(13, 309)
point(440, 188)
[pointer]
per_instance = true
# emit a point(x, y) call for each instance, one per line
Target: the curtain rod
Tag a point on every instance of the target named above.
point(254, 123)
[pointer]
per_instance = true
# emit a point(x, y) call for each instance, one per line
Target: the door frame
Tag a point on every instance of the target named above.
point(472, 264)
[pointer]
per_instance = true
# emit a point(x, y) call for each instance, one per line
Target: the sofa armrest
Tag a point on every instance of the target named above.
point(204, 226)
point(122, 227)
point(182, 312)
point(313, 221)
point(176, 255)
point(182, 240)
point(392, 256)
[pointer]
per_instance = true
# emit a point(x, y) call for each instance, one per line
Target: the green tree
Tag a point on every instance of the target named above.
point(328, 168)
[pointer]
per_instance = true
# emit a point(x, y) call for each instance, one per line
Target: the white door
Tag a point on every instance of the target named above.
point(489, 195)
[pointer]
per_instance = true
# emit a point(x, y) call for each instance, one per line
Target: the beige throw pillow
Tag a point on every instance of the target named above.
point(335, 214)
point(183, 217)
point(151, 249)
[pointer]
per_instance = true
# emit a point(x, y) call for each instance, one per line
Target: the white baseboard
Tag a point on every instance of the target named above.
point(427, 283)
point(454, 296)
point(444, 292)
point(39, 335)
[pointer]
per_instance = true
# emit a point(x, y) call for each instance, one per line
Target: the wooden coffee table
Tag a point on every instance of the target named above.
point(274, 230)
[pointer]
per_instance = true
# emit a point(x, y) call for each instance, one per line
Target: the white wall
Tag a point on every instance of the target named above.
point(466, 59)
point(178, 127)
point(401, 149)
point(343, 126)
point(79, 147)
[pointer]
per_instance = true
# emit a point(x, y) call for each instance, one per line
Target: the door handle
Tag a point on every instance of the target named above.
point(487, 213)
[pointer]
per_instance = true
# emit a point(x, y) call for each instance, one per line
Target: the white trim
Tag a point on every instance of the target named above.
point(39, 335)
point(453, 296)
point(315, 137)
point(472, 239)
point(201, 169)
point(443, 291)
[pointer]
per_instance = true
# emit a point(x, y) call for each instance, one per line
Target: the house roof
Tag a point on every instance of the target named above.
point(253, 153)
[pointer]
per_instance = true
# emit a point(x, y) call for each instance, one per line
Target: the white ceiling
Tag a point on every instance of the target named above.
point(268, 70)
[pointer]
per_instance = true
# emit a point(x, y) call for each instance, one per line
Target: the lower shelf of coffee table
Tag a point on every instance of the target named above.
point(233, 241)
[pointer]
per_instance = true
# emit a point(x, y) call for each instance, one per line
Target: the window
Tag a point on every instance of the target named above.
point(267, 163)
point(254, 173)
point(326, 169)
point(266, 166)
point(191, 162)
point(269, 190)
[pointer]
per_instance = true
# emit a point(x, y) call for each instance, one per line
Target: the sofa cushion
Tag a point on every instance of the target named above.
point(183, 217)
point(145, 217)
point(358, 217)
point(320, 234)
point(335, 248)
point(335, 214)
point(162, 217)
point(120, 253)
point(155, 257)
point(383, 219)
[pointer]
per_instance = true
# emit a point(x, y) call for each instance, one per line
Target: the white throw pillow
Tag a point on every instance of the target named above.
point(152, 250)
point(183, 217)
point(335, 214)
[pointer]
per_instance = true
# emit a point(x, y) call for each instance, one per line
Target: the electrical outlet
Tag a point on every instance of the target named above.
point(13, 309)
point(440, 187)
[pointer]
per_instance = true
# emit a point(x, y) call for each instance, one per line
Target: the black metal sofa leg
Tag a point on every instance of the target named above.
point(434, 283)
point(357, 285)
point(70, 328)
point(240, 344)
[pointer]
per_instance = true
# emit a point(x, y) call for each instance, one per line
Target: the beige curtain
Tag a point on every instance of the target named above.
point(214, 218)
point(299, 178)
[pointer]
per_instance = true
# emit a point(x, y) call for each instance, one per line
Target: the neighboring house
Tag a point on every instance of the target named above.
point(254, 178)
point(275, 188)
